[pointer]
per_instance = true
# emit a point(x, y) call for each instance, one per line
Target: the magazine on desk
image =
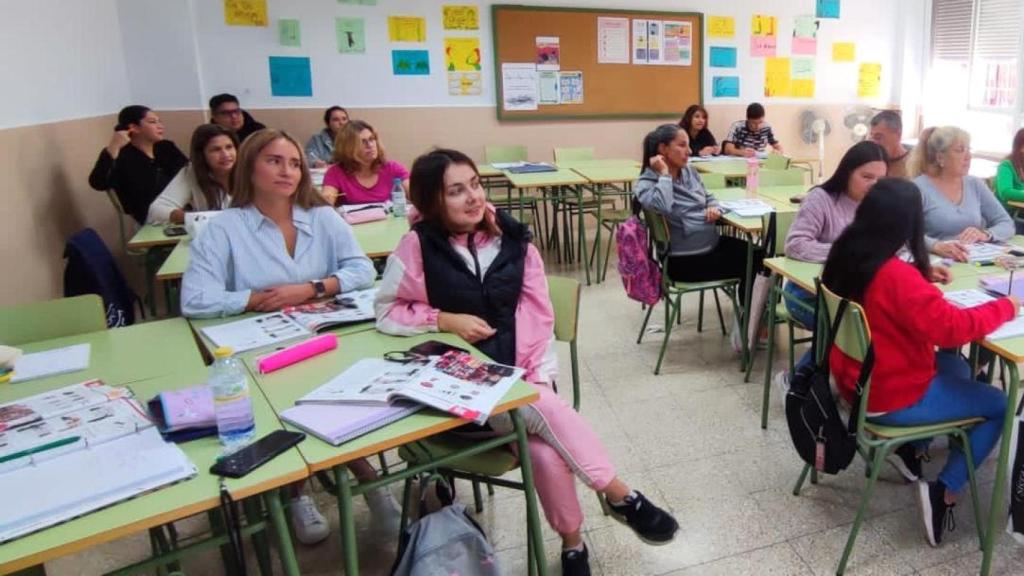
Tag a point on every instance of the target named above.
point(293, 322)
point(456, 383)
point(974, 297)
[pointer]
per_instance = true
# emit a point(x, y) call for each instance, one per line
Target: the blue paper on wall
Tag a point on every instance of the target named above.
point(828, 9)
point(725, 86)
point(723, 57)
point(410, 62)
point(290, 76)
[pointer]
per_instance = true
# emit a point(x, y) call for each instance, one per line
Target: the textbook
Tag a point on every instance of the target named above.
point(339, 423)
point(456, 383)
point(293, 322)
point(58, 402)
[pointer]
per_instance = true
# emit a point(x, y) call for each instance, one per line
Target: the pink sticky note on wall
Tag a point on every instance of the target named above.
point(763, 45)
point(807, 46)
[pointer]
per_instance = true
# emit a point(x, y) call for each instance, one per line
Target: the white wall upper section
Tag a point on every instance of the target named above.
point(62, 60)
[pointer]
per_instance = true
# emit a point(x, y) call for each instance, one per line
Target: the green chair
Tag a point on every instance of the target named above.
point(51, 319)
point(793, 177)
point(672, 291)
point(776, 162)
point(494, 154)
point(713, 181)
point(874, 441)
point(573, 154)
point(489, 466)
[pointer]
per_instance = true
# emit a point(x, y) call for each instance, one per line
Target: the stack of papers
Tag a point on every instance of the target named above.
point(51, 363)
point(748, 207)
point(973, 297)
point(984, 252)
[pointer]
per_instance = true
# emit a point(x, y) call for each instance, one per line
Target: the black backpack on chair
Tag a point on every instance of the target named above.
point(91, 269)
point(816, 427)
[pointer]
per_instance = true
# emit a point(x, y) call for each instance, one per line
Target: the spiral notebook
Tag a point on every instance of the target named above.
point(339, 423)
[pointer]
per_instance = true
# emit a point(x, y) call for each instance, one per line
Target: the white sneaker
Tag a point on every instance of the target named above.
point(308, 523)
point(385, 514)
point(781, 383)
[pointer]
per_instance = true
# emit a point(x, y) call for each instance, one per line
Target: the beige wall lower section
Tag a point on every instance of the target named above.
point(47, 197)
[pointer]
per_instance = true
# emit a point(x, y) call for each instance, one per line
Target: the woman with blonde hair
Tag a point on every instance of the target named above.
point(361, 173)
point(959, 209)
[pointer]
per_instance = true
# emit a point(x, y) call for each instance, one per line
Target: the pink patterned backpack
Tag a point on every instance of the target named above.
point(640, 274)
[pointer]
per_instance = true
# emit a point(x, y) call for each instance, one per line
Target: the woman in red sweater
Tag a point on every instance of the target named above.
point(911, 384)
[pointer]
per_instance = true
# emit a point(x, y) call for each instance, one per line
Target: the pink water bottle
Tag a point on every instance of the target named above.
point(752, 167)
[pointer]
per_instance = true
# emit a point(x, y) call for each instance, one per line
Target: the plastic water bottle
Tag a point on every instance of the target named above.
point(397, 199)
point(232, 404)
point(753, 165)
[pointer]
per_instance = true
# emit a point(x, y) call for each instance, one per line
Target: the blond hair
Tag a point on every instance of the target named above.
point(242, 190)
point(932, 143)
point(347, 144)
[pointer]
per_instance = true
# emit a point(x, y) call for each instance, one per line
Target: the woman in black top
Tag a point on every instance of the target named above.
point(137, 163)
point(695, 122)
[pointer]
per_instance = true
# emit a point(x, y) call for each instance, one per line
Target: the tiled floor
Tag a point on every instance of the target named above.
point(690, 440)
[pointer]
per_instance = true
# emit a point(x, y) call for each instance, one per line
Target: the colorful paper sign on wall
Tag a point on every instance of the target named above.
point(804, 46)
point(762, 25)
point(460, 17)
point(570, 86)
point(723, 57)
point(869, 81)
point(828, 9)
point(245, 12)
point(844, 52)
point(465, 84)
point(802, 68)
point(639, 41)
point(288, 32)
point(721, 26)
point(410, 62)
point(612, 40)
point(777, 77)
point(290, 76)
point(678, 37)
point(547, 87)
point(763, 46)
point(351, 35)
point(407, 29)
point(725, 86)
point(548, 53)
point(802, 88)
point(805, 35)
point(462, 54)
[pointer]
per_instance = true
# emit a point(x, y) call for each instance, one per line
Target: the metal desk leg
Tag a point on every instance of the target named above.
point(746, 353)
point(536, 539)
point(284, 538)
point(346, 521)
point(582, 251)
point(997, 510)
point(773, 302)
point(597, 240)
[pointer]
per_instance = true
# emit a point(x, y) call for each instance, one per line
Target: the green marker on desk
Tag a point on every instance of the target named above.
point(42, 448)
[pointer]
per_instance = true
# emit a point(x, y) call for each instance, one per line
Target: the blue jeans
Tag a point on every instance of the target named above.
point(801, 315)
point(952, 395)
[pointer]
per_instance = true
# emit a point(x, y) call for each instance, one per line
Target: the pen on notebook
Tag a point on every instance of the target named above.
point(42, 448)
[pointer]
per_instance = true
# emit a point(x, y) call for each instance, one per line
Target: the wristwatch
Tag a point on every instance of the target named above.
point(319, 288)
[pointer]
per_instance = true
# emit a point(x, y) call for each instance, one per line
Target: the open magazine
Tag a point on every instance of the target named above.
point(293, 322)
point(973, 297)
point(456, 383)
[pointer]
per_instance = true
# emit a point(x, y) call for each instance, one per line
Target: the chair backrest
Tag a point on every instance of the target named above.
point(852, 338)
point(783, 221)
point(776, 162)
point(494, 154)
point(565, 300)
point(794, 177)
point(573, 154)
point(713, 181)
point(123, 223)
point(51, 319)
point(658, 225)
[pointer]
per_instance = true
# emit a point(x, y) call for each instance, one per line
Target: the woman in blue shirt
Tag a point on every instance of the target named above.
point(279, 245)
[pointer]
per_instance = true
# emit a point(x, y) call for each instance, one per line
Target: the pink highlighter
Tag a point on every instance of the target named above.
point(297, 353)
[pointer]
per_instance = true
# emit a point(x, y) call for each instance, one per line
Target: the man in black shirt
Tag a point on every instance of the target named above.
point(225, 111)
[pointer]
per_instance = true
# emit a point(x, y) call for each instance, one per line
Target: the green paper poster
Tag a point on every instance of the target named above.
point(288, 32)
point(351, 35)
point(802, 68)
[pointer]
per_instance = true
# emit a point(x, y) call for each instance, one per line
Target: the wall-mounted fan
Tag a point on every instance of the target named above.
point(858, 120)
point(813, 129)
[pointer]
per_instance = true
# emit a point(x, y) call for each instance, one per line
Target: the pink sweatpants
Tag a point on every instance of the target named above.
point(562, 445)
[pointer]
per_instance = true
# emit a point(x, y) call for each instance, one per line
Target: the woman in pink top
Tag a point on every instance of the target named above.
point(361, 173)
point(466, 269)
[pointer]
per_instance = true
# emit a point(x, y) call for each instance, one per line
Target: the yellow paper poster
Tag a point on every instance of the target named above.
point(844, 51)
point(461, 17)
point(776, 77)
point(802, 88)
point(761, 25)
point(407, 29)
point(721, 26)
point(465, 84)
point(462, 54)
point(245, 12)
point(870, 80)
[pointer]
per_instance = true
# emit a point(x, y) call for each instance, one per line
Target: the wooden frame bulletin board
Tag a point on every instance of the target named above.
point(609, 90)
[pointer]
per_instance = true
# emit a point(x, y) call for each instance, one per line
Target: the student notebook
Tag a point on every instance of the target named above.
point(531, 167)
point(51, 363)
point(747, 207)
point(339, 423)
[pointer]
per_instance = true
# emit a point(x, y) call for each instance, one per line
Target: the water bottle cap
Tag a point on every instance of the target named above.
point(223, 352)
point(396, 181)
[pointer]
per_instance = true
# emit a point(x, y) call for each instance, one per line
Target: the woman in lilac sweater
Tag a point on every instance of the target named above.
point(826, 212)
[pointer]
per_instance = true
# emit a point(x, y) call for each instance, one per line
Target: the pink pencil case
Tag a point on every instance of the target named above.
point(297, 353)
point(366, 215)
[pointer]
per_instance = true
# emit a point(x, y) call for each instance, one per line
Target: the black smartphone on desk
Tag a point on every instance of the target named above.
point(258, 453)
point(174, 230)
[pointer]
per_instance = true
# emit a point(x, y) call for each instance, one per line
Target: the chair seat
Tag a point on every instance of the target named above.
point(615, 215)
point(496, 462)
point(883, 431)
point(709, 285)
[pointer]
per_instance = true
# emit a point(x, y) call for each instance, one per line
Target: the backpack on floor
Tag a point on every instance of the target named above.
point(91, 269)
point(640, 274)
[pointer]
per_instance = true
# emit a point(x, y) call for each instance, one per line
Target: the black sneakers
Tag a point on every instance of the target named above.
point(652, 524)
point(576, 562)
point(935, 513)
point(906, 461)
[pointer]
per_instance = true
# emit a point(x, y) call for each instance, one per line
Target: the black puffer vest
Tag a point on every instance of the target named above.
point(455, 288)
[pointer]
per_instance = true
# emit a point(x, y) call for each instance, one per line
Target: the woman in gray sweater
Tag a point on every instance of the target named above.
point(670, 186)
point(959, 209)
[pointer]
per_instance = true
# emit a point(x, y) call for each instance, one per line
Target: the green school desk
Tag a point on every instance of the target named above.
point(150, 358)
point(730, 168)
point(285, 386)
point(152, 235)
point(379, 239)
point(601, 173)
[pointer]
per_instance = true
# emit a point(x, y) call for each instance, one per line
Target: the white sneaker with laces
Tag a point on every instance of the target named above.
point(385, 513)
point(781, 383)
point(308, 523)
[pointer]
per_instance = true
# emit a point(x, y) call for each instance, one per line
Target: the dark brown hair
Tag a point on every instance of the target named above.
point(197, 153)
point(1016, 156)
point(426, 187)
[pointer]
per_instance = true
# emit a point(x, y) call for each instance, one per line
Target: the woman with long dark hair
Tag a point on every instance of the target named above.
point(1010, 174)
point(205, 183)
point(695, 122)
point(320, 147)
point(911, 384)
